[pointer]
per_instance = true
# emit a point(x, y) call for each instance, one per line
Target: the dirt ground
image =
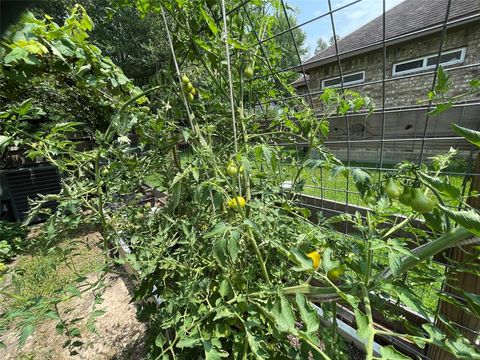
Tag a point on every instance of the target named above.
point(119, 334)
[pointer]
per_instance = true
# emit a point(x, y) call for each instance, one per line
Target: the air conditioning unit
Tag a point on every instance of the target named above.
point(17, 186)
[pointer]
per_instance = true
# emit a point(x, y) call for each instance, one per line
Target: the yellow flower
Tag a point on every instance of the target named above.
point(316, 258)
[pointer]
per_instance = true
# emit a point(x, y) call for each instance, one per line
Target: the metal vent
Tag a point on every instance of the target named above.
point(17, 186)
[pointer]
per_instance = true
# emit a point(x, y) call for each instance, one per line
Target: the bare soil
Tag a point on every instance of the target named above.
point(119, 334)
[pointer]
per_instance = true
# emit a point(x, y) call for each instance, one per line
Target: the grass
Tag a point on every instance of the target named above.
point(44, 273)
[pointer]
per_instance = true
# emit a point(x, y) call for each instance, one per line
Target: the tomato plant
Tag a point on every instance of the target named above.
point(230, 254)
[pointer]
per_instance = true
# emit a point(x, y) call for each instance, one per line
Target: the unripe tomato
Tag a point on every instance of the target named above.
point(248, 72)
point(241, 169)
point(232, 170)
point(185, 79)
point(237, 202)
point(190, 97)
point(392, 189)
point(105, 171)
point(335, 273)
point(193, 92)
point(406, 196)
point(420, 203)
point(316, 258)
point(370, 197)
point(188, 87)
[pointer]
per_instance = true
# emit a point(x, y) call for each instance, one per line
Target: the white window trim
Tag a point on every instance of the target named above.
point(425, 59)
point(345, 83)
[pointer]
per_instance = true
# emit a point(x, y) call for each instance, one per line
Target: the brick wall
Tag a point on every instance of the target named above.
point(407, 91)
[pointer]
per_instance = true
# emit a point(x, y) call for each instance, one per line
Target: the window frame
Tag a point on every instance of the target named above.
point(345, 84)
point(463, 51)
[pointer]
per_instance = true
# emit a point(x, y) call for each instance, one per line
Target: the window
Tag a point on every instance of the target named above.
point(349, 79)
point(429, 62)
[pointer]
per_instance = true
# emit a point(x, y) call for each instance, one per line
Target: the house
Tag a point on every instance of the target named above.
point(413, 32)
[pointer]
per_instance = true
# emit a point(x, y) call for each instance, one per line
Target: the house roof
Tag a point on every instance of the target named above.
point(300, 81)
point(410, 16)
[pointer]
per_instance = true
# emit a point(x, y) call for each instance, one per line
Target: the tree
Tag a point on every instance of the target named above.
point(135, 43)
point(321, 45)
point(285, 41)
point(331, 41)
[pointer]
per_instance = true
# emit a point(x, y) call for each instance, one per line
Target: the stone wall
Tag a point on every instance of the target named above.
point(408, 90)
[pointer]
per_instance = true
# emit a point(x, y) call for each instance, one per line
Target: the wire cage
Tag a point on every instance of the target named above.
point(394, 59)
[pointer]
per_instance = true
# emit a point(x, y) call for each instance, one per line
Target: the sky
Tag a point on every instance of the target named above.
point(346, 20)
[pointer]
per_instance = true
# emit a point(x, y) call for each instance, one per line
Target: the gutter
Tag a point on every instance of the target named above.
point(391, 41)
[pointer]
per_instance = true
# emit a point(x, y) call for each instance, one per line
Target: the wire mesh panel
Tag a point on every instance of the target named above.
point(395, 60)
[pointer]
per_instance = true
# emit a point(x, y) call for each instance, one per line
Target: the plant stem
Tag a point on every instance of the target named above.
point(371, 336)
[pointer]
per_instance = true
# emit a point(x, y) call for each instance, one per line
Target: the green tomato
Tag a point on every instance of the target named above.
point(188, 87)
point(185, 79)
point(392, 189)
point(232, 170)
point(420, 203)
point(335, 273)
point(105, 171)
point(248, 72)
point(190, 97)
point(406, 197)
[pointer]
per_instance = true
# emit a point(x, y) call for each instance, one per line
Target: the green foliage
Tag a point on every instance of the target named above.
point(235, 282)
point(59, 74)
point(12, 239)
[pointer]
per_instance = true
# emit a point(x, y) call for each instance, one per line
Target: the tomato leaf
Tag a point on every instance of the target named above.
point(232, 244)
point(390, 353)
point(442, 186)
point(219, 250)
point(469, 219)
point(363, 330)
point(283, 315)
point(307, 313)
point(304, 262)
point(470, 135)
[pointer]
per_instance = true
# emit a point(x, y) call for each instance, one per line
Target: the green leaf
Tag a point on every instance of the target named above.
point(4, 140)
point(363, 329)
point(209, 20)
point(27, 330)
point(304, 263)
point(462, 349)
point(232, 244)
point(361, 178)
point(283, 315)
point(442, 186)
point(218, 229)
point(15, 55)
point(473, 301)
point(160, 340)
point(410, 300)
point(211, 351)
point(219, 250)
point(307, 313)
point(440, 108)
point(469, 219)
point(390, 353)
point(73, 290)
point(97, 313)
point(188, 341)
point(257, 345)
point(470, 135)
